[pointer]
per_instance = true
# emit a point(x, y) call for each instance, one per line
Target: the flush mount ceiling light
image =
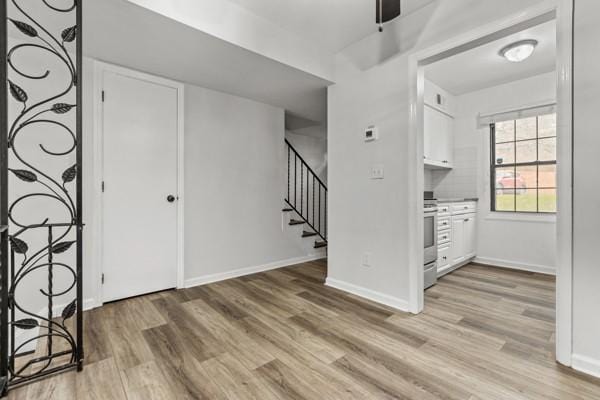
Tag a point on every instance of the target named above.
point(519, 51)
point(386, 10)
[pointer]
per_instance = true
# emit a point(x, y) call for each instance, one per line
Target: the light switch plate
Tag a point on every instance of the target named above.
point(366, 259)
point(371, 133)
point(377, 171)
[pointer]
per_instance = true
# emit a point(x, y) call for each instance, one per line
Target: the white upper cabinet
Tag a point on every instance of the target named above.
point(439, 128)
point(438, 141)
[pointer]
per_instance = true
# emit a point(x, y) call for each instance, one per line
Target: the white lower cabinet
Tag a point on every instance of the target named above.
point(444, 257)
point(470, 236)
point(464, 237)
point(458, 244)
point(460, 237)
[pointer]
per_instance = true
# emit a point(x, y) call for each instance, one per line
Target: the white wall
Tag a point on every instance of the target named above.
point(372, 216)
point(519, 234)
point(369, 215)
point(586, 217)
point(234, 184)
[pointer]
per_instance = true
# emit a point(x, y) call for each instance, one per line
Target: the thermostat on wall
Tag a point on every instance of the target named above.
point(371, 133)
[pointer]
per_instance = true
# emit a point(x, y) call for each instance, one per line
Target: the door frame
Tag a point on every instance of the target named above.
point(100, 68)
point(563, 11)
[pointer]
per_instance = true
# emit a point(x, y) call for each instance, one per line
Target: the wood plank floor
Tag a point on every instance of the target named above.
point(486, 333)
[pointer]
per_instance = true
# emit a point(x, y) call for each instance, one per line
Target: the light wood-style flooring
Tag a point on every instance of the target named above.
point(486, 333)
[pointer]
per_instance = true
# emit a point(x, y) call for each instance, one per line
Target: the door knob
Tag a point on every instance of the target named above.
point(170, 198)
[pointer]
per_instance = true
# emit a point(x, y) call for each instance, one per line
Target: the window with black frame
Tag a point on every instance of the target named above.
point(523, 165)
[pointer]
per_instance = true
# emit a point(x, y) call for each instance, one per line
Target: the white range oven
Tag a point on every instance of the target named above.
point(430, 242)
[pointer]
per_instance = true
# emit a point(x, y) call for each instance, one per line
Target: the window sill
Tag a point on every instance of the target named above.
point(522, 217)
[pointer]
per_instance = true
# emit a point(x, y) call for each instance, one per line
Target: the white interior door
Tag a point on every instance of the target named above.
point(139, 173)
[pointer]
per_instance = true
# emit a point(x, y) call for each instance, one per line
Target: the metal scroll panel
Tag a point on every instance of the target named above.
point(41, 319)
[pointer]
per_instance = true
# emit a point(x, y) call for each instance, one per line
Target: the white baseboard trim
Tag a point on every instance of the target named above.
point(495, 262)
point(587, 365)
point(236, 273)
point(89, 304)
point(57, 309)
point(369, 294)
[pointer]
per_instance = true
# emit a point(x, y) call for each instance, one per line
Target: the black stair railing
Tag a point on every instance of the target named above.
point(306, 193)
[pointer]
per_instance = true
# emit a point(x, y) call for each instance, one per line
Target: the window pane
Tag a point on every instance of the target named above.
point(547, 149)
point(527, 128)
point(505, 153)
point(526, 178)
point(547, 200)
point(526, 151)
point(527, 200)
point(505, 200)
point(547, 125)
point(505, 178)
point(505, 131)
point(547, 178)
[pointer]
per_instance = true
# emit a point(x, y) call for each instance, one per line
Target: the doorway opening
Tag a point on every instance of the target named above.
point(488, 133)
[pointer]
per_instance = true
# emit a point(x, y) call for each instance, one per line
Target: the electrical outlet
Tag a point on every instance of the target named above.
point(366, 259)
point(377, 171)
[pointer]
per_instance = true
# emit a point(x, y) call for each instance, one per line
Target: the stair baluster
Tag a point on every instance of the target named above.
point(309, 199)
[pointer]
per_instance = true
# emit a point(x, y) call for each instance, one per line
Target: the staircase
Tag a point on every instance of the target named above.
point(306, 198)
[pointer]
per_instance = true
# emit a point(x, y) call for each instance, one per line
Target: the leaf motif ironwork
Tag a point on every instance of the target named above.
point(24, 28)
point(69, 34)
point(19, 246)
point(24, 175)
point(69, 310)
point(26, 323)
point(18, 93)
point(62, 247)
point(70, 174)
point(28, 258)
point(62, 108)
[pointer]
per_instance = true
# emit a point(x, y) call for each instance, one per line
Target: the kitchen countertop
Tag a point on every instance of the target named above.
point(458, 200)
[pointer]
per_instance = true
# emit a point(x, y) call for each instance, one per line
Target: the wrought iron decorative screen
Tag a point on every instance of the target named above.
point(40, 189)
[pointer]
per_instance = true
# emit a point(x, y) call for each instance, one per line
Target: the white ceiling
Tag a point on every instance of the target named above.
point(119, 32)
point(334, 24)
point(482, 67)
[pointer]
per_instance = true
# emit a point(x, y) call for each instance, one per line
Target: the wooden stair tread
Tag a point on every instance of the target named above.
point(318, 245)
point(287, 210)
point(296, 222)
point(308, 234)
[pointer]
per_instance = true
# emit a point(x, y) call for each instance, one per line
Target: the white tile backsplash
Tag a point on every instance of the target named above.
point(461, 181)
point(428, 180)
